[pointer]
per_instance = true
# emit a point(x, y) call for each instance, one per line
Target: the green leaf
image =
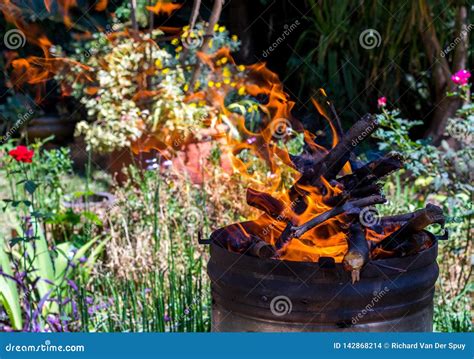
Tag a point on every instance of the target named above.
point(30, 187)
point(9, 292)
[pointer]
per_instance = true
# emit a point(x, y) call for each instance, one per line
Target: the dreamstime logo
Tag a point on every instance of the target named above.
point(101, 41)
point(280, 128)
point(281, 305)
point(192, 40)
point(192, 217)
point(14, 39)
point(369, 216)
point(459, 131)
point(369, 39)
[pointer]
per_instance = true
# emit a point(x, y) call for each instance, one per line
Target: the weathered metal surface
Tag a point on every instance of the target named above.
point(265, 295)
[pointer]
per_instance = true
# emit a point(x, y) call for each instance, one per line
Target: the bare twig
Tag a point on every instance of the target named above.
point(215, 15)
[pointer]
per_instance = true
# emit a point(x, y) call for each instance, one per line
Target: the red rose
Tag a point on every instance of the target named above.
point(22, 154)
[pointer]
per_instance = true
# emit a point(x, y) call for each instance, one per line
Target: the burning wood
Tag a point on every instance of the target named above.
point(320, 215)
point(349, 208)
point(265, 202)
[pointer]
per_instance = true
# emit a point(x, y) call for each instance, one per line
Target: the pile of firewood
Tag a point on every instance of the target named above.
point(359, 190)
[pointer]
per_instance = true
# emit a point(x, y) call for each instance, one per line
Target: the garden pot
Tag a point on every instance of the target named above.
point(193, 160)
point(190, 157)
point(265, 295)
point(42, 127)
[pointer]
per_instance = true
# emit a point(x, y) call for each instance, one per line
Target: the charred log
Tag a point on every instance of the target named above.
point(416, 222)
point(358, 252)
point(369, 190)
point(333, 162)
point(265, 202)
point(261, 249)
point(373, 171)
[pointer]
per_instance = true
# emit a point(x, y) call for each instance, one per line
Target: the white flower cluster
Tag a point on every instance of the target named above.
point(139, 91)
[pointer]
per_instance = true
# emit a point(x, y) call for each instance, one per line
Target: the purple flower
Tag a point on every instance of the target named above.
point(251, 140)
point(186, 311)
point(89, 300)
point(167, 318)
point(461, 77)
point(72, 284)
point(83, 259)
point(147, 290)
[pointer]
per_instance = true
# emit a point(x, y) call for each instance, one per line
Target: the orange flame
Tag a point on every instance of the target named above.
point(163, 7)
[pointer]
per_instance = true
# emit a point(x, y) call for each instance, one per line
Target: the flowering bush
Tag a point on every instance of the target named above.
point(141, 88)
point(123, 107)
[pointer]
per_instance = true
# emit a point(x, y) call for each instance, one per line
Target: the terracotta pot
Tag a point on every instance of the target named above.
point(191, 159)
point(43, 127)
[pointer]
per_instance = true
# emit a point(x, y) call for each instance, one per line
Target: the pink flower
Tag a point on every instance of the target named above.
point(382, 101)
point(461, 77)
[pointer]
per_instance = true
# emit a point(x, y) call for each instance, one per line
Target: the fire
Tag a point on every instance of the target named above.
point(288, 198)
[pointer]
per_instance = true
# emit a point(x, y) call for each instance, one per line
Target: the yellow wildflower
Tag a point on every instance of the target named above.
point(241, 67)
point(224, 60)
point(221, 28)
point(186, 87)
point(241, 91)
point(210, 84)
point(179, 48)
point(234, 38)
point(174, 42)
point(216, 27)
point(218, 84)
point(159, 64)
point(165, 71)
point(227, 81)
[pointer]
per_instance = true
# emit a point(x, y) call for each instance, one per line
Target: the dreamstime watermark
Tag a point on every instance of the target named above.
point(45, 347)
point(174, 324)
point(192, 217)
point(192, 40)
point(377, 296)
point(288, 30)
point(281, 305)
point(369, 217)
point(364, 134)
point(102, 40)
point(282, 216)
point(370, 39)
point(22, 119)
point(14, 39)
point(280, 128)
point(457, 40)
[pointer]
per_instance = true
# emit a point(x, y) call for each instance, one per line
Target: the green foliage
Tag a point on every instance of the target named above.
point(329, 54)
point(443, 175)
